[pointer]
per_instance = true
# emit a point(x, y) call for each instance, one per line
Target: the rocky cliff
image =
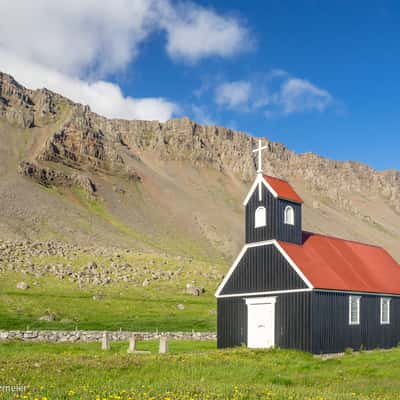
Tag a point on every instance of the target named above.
point(70, 174)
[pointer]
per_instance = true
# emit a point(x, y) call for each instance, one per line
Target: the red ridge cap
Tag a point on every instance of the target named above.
point(307, 234)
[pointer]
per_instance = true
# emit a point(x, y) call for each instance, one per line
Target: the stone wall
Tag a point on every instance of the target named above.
point(95, 336)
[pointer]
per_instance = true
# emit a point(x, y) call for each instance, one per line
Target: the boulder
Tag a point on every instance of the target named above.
point(49, 316)
point(22, 285)
point(194, 290)
point(145, 283)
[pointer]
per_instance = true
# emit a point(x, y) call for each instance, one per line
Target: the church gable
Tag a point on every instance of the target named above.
point(261, 269)
point(267, 202)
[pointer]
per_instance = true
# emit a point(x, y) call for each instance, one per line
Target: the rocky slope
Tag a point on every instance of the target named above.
point(72, 175)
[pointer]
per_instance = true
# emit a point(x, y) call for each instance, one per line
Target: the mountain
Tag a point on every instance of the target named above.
point(177, 187)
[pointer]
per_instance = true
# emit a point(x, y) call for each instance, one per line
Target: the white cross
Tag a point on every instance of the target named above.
point(258, 150)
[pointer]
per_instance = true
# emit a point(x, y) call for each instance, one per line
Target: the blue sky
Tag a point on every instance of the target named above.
point(315, 75)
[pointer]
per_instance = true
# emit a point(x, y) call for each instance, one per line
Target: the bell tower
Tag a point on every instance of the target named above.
point(273, 208)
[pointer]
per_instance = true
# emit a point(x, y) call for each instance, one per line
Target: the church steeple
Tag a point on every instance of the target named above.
point(273, 208)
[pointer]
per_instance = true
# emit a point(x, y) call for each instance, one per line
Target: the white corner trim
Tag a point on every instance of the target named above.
point(263, 243)
point(257, 244)
point(259, 178)
point(261, 300)
point(230, 272)
point(274, 292)
point(236, 262)
point(293, 264)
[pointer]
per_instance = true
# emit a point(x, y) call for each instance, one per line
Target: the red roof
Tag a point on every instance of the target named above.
point(283, 189)
point(337, 264)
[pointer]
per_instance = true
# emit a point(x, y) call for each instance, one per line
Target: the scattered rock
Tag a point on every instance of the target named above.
point(194, 290)
point(92, 265)
point(44, 176)
point(22, 285)
point(133, 176)
point(105, 266)
point(49, 316)
point(145, 283)
point(84, 182)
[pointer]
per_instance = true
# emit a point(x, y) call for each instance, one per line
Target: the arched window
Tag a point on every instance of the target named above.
point(289, 215)
point(260, 217)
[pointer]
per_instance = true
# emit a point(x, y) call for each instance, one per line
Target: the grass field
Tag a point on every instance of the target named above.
point(191, 370)
point(194, 370)
point(119, 305)
point(115, 307)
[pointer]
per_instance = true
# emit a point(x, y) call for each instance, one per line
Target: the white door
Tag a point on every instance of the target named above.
point(261, 322)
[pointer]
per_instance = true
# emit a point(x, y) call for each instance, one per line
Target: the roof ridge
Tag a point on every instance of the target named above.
point(279, 179)
point(344, 240)
point(282, 188)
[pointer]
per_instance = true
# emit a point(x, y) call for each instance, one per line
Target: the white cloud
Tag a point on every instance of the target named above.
point(233, 94)
point(105, 98)
point(299, 95)
point(70, 46)
point(276, 93)
point(194, 32)
point(76, 37)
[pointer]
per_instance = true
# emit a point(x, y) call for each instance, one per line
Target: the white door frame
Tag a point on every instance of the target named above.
point(262, 300)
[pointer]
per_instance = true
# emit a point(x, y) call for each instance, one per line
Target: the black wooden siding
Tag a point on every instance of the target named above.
point(292, 321)
point(286, 232)
point(266, 232)
point(332, 332)
point(231, 322)
point(262, 269)
point(317, 322)
point(275, 228)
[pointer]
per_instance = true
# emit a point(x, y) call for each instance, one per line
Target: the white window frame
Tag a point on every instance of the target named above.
point(357, 299)
point(288, 215)
point(385, 300)
point(260, 220)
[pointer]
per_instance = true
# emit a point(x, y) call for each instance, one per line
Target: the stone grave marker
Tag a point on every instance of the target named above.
point(163, 345)
point(105, 342)
point(132, 344)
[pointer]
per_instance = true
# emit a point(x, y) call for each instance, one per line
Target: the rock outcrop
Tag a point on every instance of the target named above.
point(71, 145)
point(48, 177)
point(25, 108)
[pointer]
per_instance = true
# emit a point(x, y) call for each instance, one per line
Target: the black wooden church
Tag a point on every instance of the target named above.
point(294, 289)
